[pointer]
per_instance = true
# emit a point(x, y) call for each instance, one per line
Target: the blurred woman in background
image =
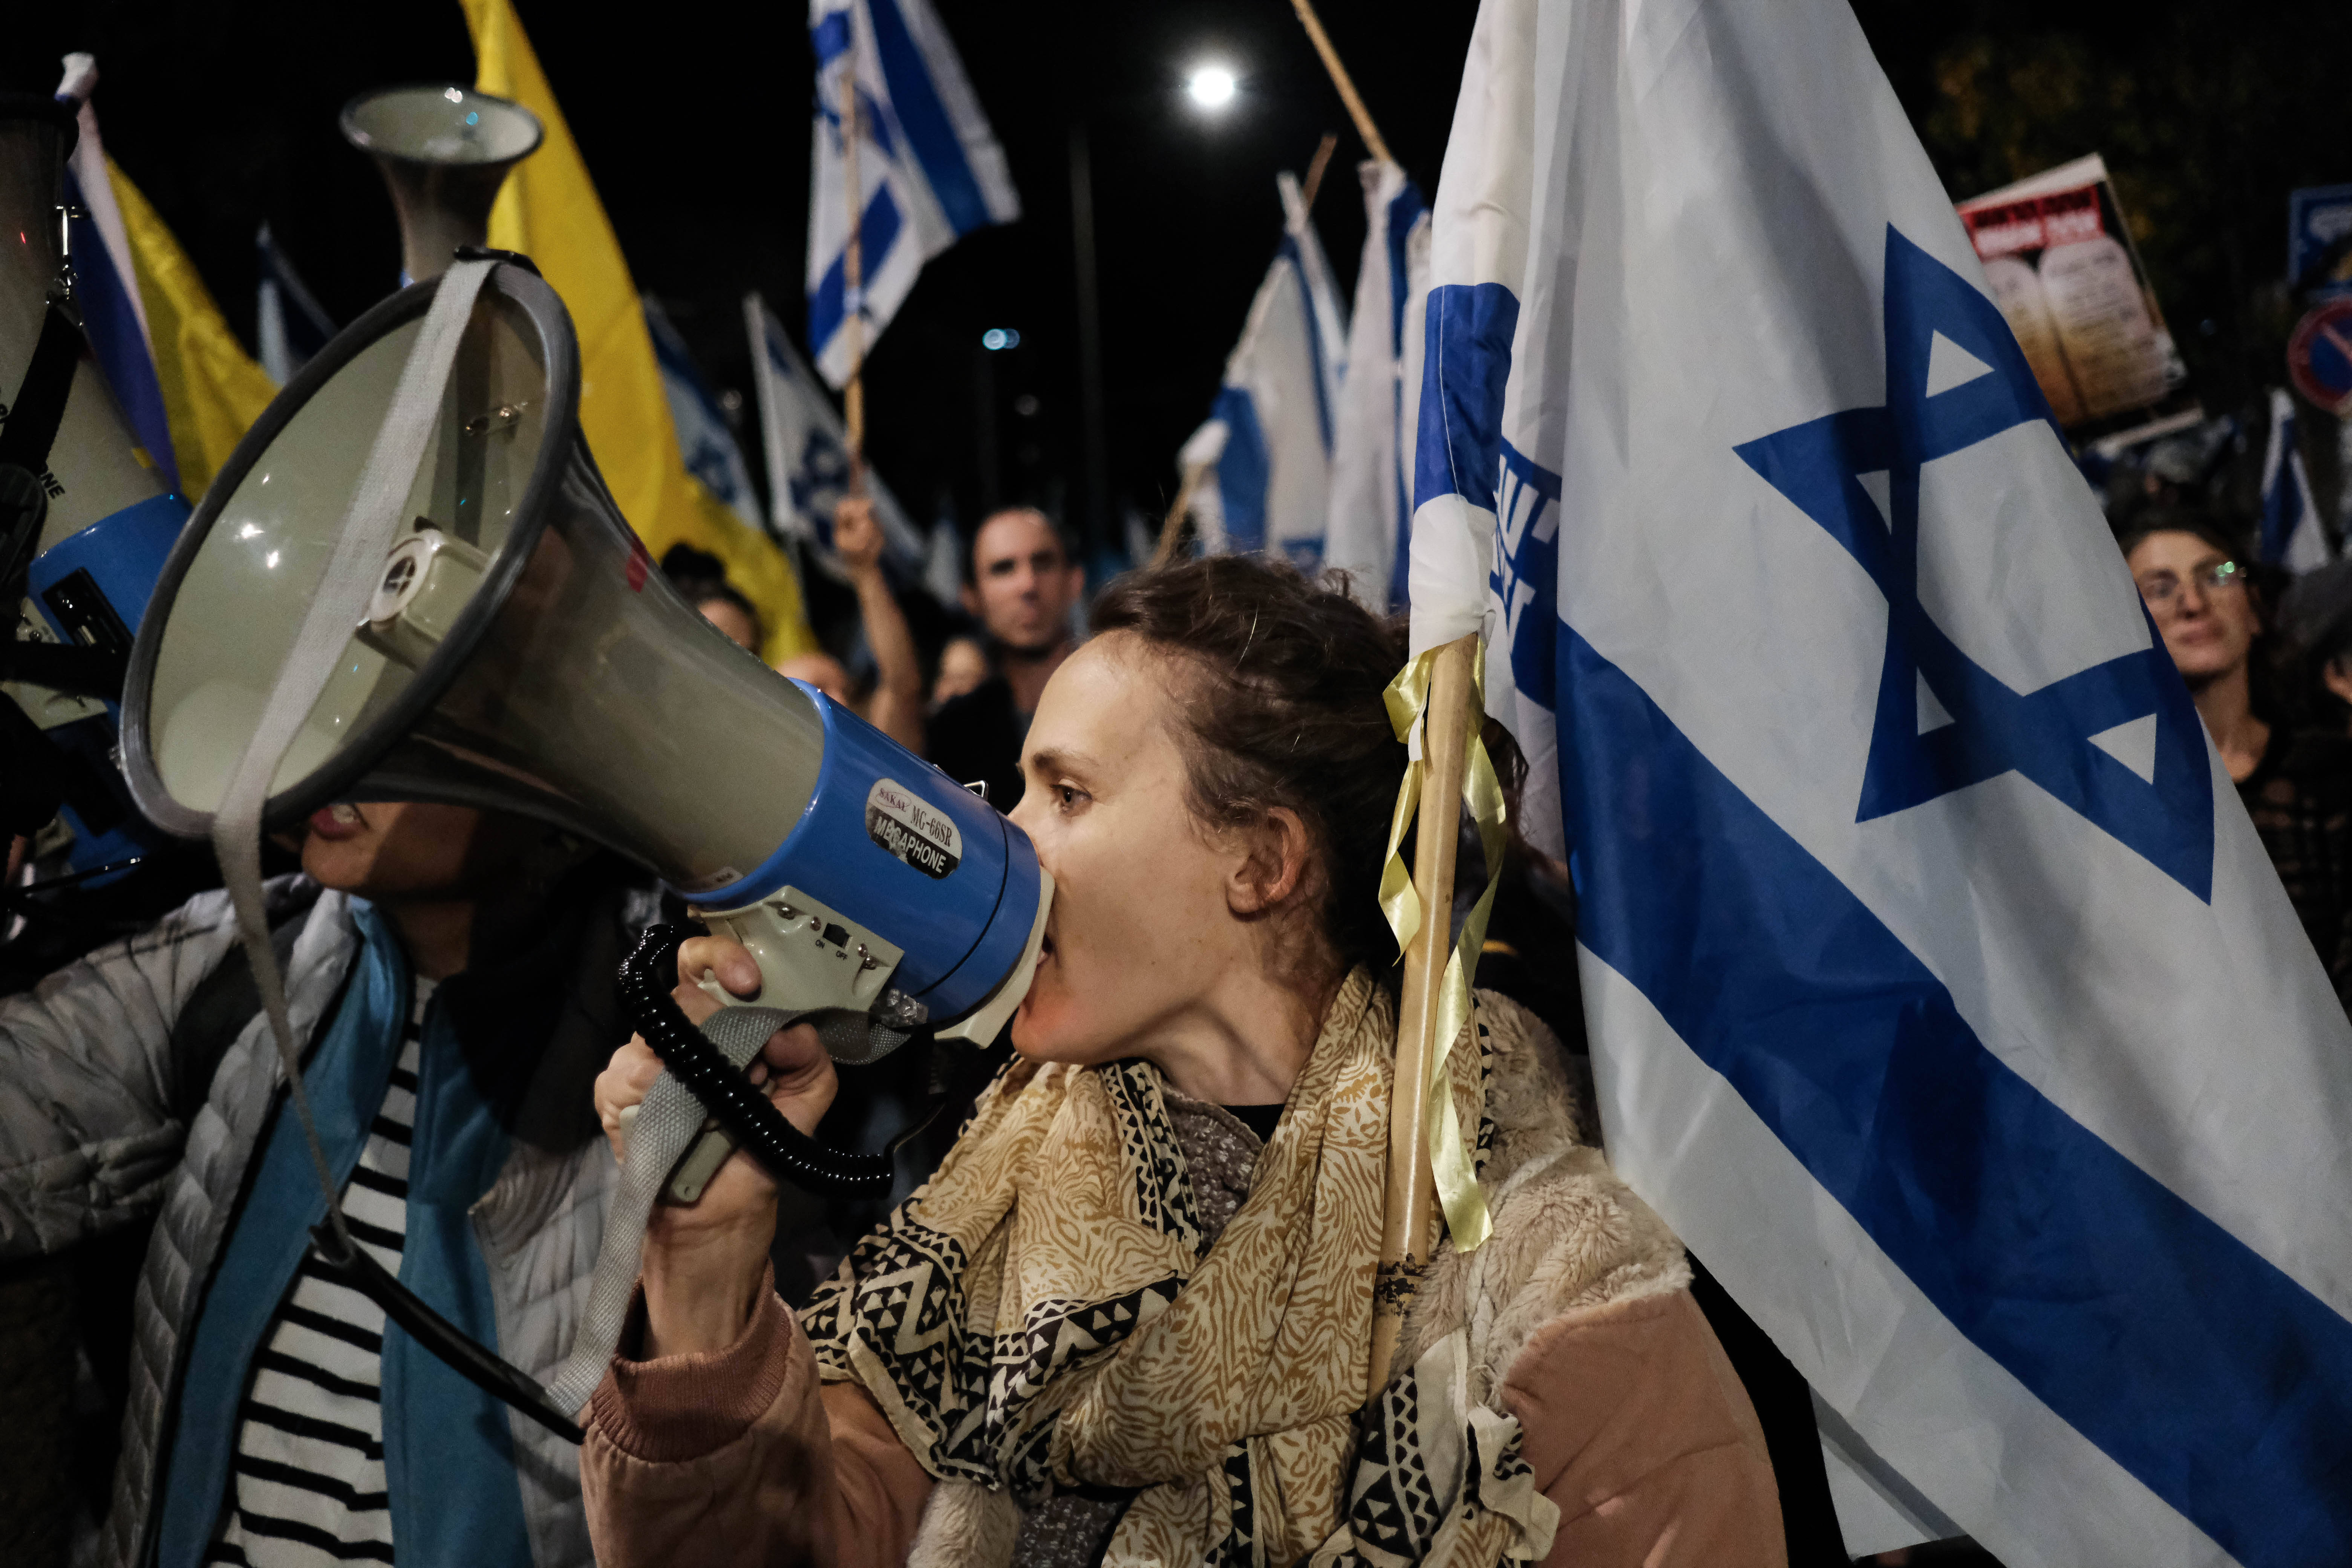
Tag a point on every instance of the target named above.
point(2295, 780)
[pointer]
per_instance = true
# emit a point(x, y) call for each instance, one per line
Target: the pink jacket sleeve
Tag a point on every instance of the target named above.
point(1636, 1426)
point(740, 1458)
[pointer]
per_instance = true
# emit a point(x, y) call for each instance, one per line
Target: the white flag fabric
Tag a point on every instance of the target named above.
point(1370, 514)
point(1267, 440)
point(1941, 995)
point(2293, 535)
point(704, 438)
point(943, 563)
point(929, 170)
point(289, 324)
point(807, 451)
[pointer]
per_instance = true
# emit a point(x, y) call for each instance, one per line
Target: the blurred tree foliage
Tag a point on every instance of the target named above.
point(2208, 114)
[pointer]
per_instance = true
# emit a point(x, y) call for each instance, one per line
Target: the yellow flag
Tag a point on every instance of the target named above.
point(212, 390)
point(548, 211)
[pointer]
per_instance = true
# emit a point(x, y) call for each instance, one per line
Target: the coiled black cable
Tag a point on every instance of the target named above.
point(789, 1153)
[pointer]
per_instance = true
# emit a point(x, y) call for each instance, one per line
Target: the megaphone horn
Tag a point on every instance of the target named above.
point(443, 151)
point(522, 653)
point(519, 650)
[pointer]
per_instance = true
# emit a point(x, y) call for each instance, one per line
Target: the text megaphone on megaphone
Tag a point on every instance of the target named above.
point(85, 519)
point(520, 652)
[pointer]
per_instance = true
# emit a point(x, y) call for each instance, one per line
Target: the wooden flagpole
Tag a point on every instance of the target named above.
point(1323, 152)
point(853, 278)
point(1174, 528)
point(1340, 78)
point(1408, 1232)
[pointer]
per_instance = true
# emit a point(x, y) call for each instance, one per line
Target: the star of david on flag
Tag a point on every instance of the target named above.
point(1956, 377)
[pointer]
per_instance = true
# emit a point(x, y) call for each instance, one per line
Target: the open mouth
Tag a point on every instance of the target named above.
point(340, 820)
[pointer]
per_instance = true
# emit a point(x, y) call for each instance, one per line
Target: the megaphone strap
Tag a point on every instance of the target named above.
point(28, 428)
point(378, 505)
point(343, 592)
point(39, 406)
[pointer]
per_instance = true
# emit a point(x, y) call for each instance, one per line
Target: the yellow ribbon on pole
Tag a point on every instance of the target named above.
point(1451, 1162)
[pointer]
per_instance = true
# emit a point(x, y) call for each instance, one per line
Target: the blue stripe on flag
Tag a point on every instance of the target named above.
point(1405, 210)
point(1401, 480)
point(2218, 1382)
point(1467, 339)
point(1314, 339)
point(1243, 471)
point(112, 328)
point(876, 233)
point(920, 114)
point(830, 37)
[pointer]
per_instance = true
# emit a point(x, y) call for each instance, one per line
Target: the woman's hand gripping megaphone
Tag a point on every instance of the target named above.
point(704, 1260)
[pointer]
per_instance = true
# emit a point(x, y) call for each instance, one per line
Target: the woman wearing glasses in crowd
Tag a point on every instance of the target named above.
point(2297, 783)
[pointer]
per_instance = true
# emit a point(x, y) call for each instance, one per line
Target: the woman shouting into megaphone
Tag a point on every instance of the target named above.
point(1128, 1319)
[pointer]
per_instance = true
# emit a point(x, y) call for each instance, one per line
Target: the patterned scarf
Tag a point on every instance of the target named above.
point(1041, 1317)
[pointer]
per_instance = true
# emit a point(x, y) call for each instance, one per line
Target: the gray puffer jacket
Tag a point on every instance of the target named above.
point(101, 1127)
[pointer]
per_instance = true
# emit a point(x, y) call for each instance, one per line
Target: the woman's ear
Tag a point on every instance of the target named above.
point(1273, 867)
point(2336, 676)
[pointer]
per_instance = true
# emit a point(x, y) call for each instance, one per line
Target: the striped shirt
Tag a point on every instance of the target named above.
point(307, 1488)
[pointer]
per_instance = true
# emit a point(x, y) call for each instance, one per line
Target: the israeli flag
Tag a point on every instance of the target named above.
point(929, 168)
point(808, 453)
point(290, 325)
point(1264, 455)
point(2293, 535)
point(1941, 995)
point(1370, 520)
point(704, 437)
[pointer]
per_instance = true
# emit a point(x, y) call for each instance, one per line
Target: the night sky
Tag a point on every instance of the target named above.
point(694, 119)
point(225, 115)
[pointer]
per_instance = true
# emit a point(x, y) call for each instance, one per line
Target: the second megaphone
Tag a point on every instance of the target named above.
point(443, 151)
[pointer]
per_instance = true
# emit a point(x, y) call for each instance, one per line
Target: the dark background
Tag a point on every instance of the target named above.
point(694, 121)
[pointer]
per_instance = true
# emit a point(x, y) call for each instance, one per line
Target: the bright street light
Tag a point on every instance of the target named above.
point(1212, 87)
point(1000, 338)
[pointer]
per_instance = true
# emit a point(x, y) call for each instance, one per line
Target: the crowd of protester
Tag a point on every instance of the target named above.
point(1023, 581)
point(469, 955)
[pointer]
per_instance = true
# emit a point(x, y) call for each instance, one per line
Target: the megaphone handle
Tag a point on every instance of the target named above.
point(789, 1153)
